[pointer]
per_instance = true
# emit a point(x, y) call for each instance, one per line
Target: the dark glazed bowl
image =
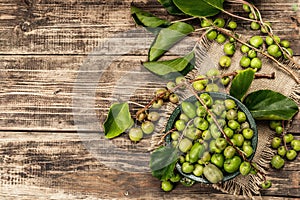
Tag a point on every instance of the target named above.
point(215, 95)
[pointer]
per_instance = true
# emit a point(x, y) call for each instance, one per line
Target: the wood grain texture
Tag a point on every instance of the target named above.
point(60, 162)
point(46, 48)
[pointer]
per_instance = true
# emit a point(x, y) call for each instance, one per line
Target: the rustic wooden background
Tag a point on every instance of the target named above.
point(43, 154)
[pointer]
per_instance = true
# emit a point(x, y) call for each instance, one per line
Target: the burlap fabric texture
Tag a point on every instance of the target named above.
point(207, 55)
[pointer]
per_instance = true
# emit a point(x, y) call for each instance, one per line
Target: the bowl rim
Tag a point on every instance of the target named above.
point(215, 95)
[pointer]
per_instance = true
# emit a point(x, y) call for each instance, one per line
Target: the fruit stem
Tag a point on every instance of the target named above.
point(282, 135)
point(183, 20)
point(282, 66)
point(268, 29)
point(161, 141)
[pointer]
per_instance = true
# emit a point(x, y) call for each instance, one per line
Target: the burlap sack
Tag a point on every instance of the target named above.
point(207, 56)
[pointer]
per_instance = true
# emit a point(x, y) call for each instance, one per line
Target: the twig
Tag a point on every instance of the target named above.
point(165, 135)
point(295, 77)
point(268, 29)
point(223, 133)
point(185, 19)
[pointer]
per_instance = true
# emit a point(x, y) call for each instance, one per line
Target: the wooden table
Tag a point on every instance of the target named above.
point(45, 46)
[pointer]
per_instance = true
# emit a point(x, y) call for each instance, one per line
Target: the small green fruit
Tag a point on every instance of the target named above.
point(245, 168)
point(157, 104)
point(273, 50)
point(269, 40)
point(254, 26)
point(256, 63)
point(219, 22)
point(207, 99)
point(244, 48)
point(212, 173)
point(185, 145)
point(285, 43)
point(232, 25)
point(245, 62)
point(166, 186)
point(198, 171)
point(174, 98)
point(295, 145)
point(187, 167)
point(276, 141)
point(232, 165)
point(206, 23)
point(248, 150)
point(180, 125)
point(291, 154)
point(217, 159)
point(228, 132)
point(229, 104)
point(267, 184)
point(277, 162)
point(288, 138)
point(281, 151)
point(239, 139)
point(248, 133)
point(246, 8)
point(229, 152)
point(153, 116)
point(234, 125)
point(135, 134)
point(256, 41)
point(147, 127)
point(229, 49)
point(252, 53)
point(220, 38)
point(225, 80)
point(225, 61)
point(211, 35)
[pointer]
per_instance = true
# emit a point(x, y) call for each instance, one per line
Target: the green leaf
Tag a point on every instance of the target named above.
point(168, 67)
point(270, 105)
point(146, 19)
point(162, 162)
point(118, 120)
point(241, 83)
point(167, 37)
point(170, 7)
point(200, 8)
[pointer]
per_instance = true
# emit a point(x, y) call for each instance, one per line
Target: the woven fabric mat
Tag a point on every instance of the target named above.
point(207, 56)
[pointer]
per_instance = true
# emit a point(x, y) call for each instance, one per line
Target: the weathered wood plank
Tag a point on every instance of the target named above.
point(60, 163)
point(77, 27)
point(38, 92)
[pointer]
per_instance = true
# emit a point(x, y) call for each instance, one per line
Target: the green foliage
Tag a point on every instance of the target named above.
point(270, 105)
point(162, 162)
point(167, 37)
point(118, 120)
point(200, 8)
point(146, 19)
point(168, 67)
point(170, 7)
point(241, 83)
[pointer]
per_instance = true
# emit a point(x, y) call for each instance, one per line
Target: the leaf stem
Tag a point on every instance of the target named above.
point(183, 20)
